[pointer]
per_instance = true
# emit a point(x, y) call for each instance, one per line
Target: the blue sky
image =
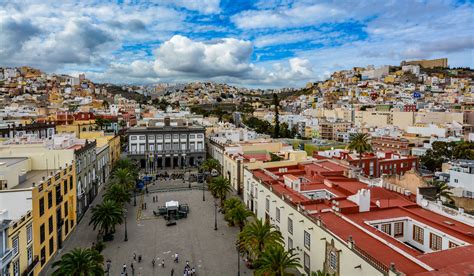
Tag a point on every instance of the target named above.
point(247, 43)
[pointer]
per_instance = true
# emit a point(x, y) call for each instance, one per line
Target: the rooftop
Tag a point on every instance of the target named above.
point(326, 192)
point(35, 176)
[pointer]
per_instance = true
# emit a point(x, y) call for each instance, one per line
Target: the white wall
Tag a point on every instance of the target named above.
point(17, 202)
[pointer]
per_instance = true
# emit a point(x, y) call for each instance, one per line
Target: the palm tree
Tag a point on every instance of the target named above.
point(211, 164)
point(320, 273)
point(239, 214)
point(360, 142)
point(106, 215)
point(229, 204)
point(80, 262)
point(219, 187)
point(275, 261)
point(117, 193)
point(256, 236)
point(442, 190)
point(124, 177)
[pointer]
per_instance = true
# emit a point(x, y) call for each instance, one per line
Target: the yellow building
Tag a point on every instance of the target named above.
point(20, 240)
point(254, 155)
point(47, 198)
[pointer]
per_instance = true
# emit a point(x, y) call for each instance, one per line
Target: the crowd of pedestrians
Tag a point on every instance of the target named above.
point(188, 270)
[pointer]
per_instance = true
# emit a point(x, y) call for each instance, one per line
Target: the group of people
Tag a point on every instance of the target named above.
point(166, 176)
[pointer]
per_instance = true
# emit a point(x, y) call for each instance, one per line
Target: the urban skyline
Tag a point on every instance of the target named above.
point(255, 44)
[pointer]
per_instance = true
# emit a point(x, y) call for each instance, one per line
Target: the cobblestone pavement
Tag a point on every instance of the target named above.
point(211, 252)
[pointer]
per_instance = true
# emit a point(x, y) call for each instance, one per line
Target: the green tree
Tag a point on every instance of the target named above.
point(239, 214)
point(256, 236)
point(100, 123)
point(124, 177)
point(220, 187)
point(79, 262)
point(275, 261)
point(442, 152)
point(360, 142)
point(106, 215)
point(117, 193)
point(442, 190)
point(122, 124)
point(211, 164)
point(276, 103)
point(229, 204)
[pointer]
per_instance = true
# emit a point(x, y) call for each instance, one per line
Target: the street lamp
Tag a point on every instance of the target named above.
point(238, 259)
point(126, 234)
point(215, 215)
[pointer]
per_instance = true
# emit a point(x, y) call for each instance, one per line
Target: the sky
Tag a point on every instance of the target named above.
point(265, 44)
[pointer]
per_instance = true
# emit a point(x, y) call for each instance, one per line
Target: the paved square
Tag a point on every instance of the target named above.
point(211, 252)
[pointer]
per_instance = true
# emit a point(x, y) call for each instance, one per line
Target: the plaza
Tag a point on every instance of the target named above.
point(211, 252)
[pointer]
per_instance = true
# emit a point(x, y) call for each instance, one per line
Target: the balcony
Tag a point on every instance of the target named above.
point(164, 152)
point(6, 258)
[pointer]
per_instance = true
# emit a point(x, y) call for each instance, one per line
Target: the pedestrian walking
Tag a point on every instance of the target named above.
point(153, 262)
point(108, 264)
point(124, 268)
point(131, 266)
point(176, 257)
point(163, 263)
point(134, 256)
point(172, 271)
point(139, 258)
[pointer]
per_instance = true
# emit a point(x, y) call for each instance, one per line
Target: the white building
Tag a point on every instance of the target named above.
point(461, 178)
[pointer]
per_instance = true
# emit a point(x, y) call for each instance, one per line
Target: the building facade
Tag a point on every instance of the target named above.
point(398, 145)
point(42, 130)
point(87, 184)
point(340, 225)
point(171, 145)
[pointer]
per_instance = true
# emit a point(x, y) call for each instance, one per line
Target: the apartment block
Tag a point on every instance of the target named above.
point(44, 212)
point(338, 224)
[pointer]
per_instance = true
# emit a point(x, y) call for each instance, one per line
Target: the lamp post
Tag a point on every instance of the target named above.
point(203, 190)
point(238, 260)
point(215, 215)
point(126, 234)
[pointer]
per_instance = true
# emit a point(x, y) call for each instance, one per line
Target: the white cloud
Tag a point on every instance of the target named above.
point(181, 55)
point(292, 16)
point(202, 6)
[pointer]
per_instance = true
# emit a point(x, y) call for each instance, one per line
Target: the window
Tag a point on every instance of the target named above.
point(16, 268)
point(159, 137)
point(307, 239)
point(142, 137)
point(42, 233)
point(51, 246)
point(167, 136)
point(29, 254)
point(290, 226)
point(29, 233)
point(452, 244)
point(70, 183)
point(398, 229)
point(418, 233)
point(43, 256)
point(192, 136)
point(66, 211)
point(41, 206)
point(65, 187)
point(183, 146)
point(290, 243)
point(50, 225)
point(436, 242)
point(16, 246)
point(200, 136)
point(386, 228)
point(333, 260)
point(306, 263)
point(151, 137)
point(175, 136)
point(277, 214)
point(267, 204)
point(50, 200)
point(183, 136)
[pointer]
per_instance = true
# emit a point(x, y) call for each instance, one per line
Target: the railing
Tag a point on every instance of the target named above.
point(31, 266)
point(368, 258)
point(6, 258)
point(161, 152)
